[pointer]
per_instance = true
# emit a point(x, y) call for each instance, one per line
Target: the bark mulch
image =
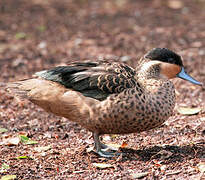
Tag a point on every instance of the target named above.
point(36, 34)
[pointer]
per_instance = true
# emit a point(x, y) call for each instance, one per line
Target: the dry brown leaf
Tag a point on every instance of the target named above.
point(42, 148)
point(169, 173)
point(157, 163)
point(8, 177)
point(196, 44)
point(139, 175)
point(201, 167)
point(115, 146)
point(102, 165)
point(175, 4)
point(188, 111)
point(124, 145)
point(10, 141)
point(89, 149)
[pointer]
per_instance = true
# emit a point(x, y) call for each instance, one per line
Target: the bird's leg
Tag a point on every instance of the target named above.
point(99, 147)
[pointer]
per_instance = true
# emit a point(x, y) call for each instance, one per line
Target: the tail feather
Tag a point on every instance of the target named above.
point(21, 88)
point(54, 97)
point(14, 88)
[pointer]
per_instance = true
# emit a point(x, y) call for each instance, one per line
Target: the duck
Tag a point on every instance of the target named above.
point(109, 97)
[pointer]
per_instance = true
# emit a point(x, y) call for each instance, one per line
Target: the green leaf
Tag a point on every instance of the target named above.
point(8, 177)
point(2, 130)
point(26, 140)
point(4, 167)
point(41, 28)
point(23, 157)
point(188, 111)
point(20, 35)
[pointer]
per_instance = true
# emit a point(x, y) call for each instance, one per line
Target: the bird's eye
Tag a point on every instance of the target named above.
point(171, 60)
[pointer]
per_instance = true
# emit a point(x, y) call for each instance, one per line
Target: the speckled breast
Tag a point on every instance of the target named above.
point(133, 111)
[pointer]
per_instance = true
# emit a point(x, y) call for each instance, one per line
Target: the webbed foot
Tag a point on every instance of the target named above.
point(101, 148)
point(108, 154)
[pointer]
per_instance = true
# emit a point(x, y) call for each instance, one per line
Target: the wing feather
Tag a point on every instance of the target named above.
point(93, 79)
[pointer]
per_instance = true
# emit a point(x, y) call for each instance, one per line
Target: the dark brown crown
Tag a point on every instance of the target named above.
point(164, 55)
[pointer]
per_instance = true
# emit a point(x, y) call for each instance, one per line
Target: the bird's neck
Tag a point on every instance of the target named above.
point(150, 70)
point(154, 83)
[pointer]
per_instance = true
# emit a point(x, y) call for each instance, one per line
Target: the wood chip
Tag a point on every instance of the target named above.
point(139, 175)
point(201, 167)
point(188, 111)
point(102, 165)
point(175, 4)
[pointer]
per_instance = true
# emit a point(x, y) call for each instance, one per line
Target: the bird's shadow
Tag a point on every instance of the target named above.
point(168, 153)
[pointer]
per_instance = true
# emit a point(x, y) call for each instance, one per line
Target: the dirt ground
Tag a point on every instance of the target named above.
point(39, 34)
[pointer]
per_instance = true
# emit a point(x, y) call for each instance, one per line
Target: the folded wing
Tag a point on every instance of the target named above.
point(93, 79)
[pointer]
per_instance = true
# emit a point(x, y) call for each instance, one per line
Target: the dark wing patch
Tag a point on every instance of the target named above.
point(93, 79)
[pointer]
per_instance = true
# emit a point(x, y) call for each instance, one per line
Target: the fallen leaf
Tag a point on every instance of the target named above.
point(26, 140)
point(175, 4)
point(125, 58)
point(102, 165)
point(20, 35)
point(89, 149)
point(42, 148)
point(8, 177)
point(23, 133)
point(56, 136)
point(196, 44)
point(188, 111)
point(202, 119)
point(163, 168)
point(41, 28)
point(2, 130)
point(106, 137)
point(77, 172)
point(169, 173)
point(10, 141)
point(201, 167)
point(23, 157)
point(4, 167)
point(157, 163)
point(139, 175)
point(43, 154)
point(113, 136)
point(16, 63)
point(124, 145)
point(115, 147)
point(47, 135)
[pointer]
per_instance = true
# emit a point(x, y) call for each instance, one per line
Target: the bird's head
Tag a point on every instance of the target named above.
point(166, 63)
